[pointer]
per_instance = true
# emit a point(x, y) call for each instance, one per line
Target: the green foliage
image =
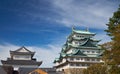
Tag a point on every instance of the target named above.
point(73, 71)
point(114, 70)
point(113, 31)
point(96, 69)
point(114, 24)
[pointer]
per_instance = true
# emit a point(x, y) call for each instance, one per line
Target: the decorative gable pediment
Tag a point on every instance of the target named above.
point(23, 49)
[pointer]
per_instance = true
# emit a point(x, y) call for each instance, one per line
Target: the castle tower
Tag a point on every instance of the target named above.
point(80, 51)
point(21, 57)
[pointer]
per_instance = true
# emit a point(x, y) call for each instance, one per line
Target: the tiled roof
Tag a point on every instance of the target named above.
point(88, 44)
point(22, 48)
point(78, 52)
point(21, 62)
point(22, 53)
point(14, 52)
point(82, 32)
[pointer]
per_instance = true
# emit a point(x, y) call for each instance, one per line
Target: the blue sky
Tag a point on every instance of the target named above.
point(43, 25)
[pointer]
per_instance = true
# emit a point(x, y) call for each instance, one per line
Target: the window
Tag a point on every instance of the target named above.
point(88, 64)
point(83, 51)
point(97, 52)
point(77, 58)
point(76, 42)
point(71, 58)
point(81, 58)
point(77, 35)
point(88, 51)
point(17, 56)
point(93, 51)
point(77, 64)
point(79, 42)
point(87, 59)
point(72, 64)
point(98, 59)
point(93, 59)
point(80, 65)
point(26, 56)
point(83, 64)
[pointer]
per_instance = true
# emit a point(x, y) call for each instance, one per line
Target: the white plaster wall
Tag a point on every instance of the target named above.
point(85, 60)
point(56, 64)
point(69, 51)
point(85, 51)
point(82, 36)
point(23, 50)
point(68, 66)
point(63, 67)
point(22, 57)
point(16, 67)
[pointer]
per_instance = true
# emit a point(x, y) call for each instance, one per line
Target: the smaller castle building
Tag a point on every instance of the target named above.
point(21, 57)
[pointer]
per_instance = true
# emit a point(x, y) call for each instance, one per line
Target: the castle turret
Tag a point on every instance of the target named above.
point(80, 51)
point(21, 57)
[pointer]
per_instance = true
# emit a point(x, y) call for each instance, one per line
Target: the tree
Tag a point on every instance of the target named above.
point(95, 69)
point(114, 25)
point(107, 55)
point(113, 31)
point(73, 71)
point(111, 58)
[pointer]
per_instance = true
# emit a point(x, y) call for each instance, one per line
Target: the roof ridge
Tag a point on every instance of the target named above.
point(22, 48)
point(78, 52)
point(87, 42)
point(83, 31)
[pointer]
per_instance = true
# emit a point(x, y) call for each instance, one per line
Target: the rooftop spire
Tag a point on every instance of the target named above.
point(87, 29)
point(73, 27)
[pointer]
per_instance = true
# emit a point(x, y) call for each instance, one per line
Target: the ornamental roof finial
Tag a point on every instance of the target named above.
point(73, 27)
point(87, 29)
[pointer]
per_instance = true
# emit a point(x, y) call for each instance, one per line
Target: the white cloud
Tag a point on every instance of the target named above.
point(103, 37)
point(89, 13)
point(5, 48)
point(47, 54)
